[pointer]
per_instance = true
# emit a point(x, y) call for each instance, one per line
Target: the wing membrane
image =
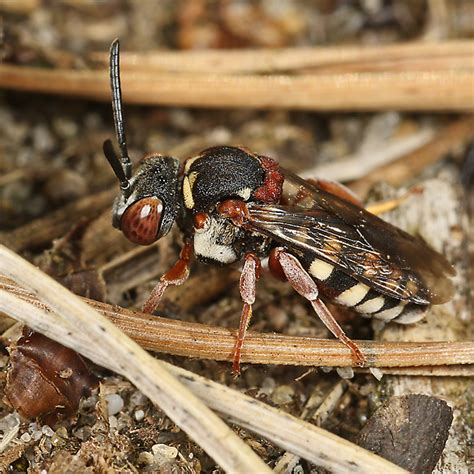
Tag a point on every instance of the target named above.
point(319, 224)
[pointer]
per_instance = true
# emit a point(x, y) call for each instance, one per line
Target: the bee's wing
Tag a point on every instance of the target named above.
point(321, 225)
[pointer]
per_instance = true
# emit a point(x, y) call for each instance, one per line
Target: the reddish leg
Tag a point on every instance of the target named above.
point(248, 281)
point(176, 275)
point(302, 282)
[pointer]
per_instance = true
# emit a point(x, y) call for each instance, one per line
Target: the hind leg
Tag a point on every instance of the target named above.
point(304, 284)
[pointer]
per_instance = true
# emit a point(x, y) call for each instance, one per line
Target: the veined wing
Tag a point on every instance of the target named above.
point(316, 223)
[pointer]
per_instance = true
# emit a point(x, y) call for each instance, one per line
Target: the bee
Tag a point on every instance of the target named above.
point(233, 205)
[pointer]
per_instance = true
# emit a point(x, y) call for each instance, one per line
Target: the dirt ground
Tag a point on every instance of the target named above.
point(51, 156)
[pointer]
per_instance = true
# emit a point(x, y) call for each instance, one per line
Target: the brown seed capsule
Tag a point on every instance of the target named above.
point(46, 378)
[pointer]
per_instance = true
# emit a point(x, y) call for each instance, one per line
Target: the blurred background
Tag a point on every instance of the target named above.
point(330, 101)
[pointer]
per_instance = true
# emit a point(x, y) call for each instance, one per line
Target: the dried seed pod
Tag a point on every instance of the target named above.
point(46, 378)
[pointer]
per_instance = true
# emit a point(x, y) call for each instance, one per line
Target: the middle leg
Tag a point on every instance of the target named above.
point(248, 282)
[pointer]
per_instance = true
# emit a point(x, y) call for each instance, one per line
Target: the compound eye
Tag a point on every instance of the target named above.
point(141, 221)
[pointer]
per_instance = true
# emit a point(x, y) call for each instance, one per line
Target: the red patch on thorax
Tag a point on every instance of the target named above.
point(271, 189)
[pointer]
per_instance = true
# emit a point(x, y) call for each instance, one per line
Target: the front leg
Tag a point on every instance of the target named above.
point(248, 282)
point(176, 275)
point(304, 284)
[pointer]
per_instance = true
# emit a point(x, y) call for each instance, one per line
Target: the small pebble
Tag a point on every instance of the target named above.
point(377, 373)
point(267, 387)
point(146, 458)
point(298, 469)
point(36, 435)
point(164, 453)
point(9, 422)
point(43, 140)
point(326, 370)
point(114, 403)
point(139, 415)
point(25, 437)
point(283, 394)
point(93, 121)
point(65, 127)
point(345, 372)
point(47, 431)
point(220, 135)
point(57, 440)
point(62, 432)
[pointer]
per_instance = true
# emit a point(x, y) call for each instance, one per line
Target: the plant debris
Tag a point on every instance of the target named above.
point(56, 190)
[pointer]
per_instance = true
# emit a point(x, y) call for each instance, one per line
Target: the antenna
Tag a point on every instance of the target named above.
point(116, 165)
point(117, 111)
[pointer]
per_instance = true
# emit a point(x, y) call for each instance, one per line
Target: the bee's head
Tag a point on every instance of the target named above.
point(146, 209)
point(149, 201)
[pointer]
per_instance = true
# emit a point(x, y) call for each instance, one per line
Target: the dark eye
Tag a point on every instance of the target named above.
point(141, 221)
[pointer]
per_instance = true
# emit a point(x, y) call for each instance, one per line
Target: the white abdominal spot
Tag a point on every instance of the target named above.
point(371, 306)
point(320, 269)
point(391, 313)
point(353, 295)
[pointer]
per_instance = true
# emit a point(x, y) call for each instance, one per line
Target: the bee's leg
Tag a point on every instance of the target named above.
point(302, 282)
point(248, 282)
point(176, 275)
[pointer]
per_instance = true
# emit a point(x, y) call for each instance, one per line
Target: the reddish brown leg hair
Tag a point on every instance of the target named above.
point(302, 282)
point(248, 281)
point(176, 275)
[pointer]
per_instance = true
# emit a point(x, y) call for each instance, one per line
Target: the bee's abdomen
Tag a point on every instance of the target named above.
point(343, 289)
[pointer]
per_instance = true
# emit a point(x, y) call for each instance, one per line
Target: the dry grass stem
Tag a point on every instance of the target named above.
point(360, 164)
point(88, 333)
point(303, 439)
point(414, 56)
point(289, 460)
point(449, 139)
point(428, 371)
point(207, 342)
point(427, 90)
point(103, 343)
point(57, 223)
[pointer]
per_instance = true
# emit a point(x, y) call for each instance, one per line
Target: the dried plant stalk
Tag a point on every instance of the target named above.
point(57, 223)
point(207, 342)
point(357, 166)
point(436, 90)
point(87, 332)
point(418, 55)
point(447, 140)
point(105, 344)
point(303, 439)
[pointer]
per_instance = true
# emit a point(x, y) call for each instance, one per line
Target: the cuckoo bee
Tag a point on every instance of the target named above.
point(234, 205)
